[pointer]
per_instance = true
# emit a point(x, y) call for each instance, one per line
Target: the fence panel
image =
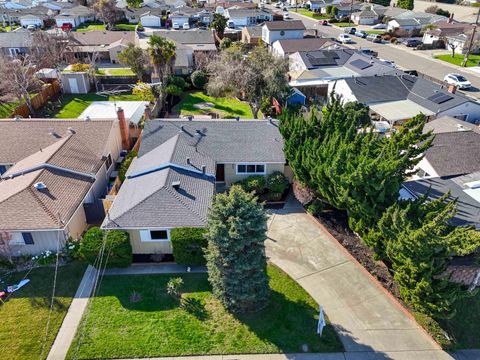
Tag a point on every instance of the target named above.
point(39, 100)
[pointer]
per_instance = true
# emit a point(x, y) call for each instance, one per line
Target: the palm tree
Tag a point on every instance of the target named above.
point(162, 55)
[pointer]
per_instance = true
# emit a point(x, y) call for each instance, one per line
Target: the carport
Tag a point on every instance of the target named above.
point(396, 112)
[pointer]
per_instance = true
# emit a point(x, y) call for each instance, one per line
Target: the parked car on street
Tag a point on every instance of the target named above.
point(176, 26)
point(344, 39)
point(361, 34)
point(376, 38)
point(350, 30)
point(412, 43)
point(286, 16)
point(369, 52)
point(323, 22)
point(458, 80)
point(379, 26)
point(278, 5)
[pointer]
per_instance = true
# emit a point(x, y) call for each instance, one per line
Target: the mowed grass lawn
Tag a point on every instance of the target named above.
point(116, 72)
point(125, 27)
point(155, 325)
point(90, 27)
point(458, 59)
point(225, 107)
point(73, 104)
point(309, 13)
point(23, 318)
point(465, 325)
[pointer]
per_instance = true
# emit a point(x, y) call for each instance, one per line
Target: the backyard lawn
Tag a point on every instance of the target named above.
point(90, 27)
point(196, 103)
point(24, 316)
point(458, 59)
point(73, 105)
point(6, 109)
point(132, 316)
point(116, 72)
point(343, 24)
point(125, 27)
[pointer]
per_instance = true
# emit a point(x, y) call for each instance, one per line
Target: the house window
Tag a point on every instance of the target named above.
point(155, 235)
point(108, 161)
point(3, 168)
point(250, 169)
point(27, 238)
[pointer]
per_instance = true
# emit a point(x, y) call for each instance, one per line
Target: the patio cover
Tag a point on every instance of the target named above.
point(133, 110)
point(399, 110)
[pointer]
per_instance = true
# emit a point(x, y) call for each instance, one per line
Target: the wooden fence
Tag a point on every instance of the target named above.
point(39, 100)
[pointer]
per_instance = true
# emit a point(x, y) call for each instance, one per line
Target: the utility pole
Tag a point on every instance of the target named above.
point(351, 12)
point(472, 39)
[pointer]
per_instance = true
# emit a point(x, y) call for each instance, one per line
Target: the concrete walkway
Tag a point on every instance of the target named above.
point(155, 268)
point(74, 316)
point(370, 322)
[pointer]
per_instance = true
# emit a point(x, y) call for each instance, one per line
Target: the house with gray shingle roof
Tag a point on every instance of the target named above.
point(172, 181)
point(52, 176)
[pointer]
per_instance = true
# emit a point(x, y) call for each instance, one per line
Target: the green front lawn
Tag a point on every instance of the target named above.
point(73, 104)
point(310, 13)
point(225, 107)
point(458, 59)
point(132, 316)
point(379, 32)
point(90, 27)
point(344, 24)
point(24, 316)
point(125, 27)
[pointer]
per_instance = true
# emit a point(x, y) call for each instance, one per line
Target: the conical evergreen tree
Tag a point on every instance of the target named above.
point(236, 261)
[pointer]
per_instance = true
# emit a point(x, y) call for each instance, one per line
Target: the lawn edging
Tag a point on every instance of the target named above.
point(402, 307)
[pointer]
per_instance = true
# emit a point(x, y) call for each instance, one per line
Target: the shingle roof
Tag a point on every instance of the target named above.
point(148, 197)
point(285, 25)
point(254, 31)
point(223, 140)
point(100, 37)
point(67, 165)
point(455, 153)
point(247, 13)
point(291, 46)
point(448, 124)
point(79, 10)
point(20, 39)
point(196, 36)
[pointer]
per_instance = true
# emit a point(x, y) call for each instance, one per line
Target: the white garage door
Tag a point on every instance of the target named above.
point(150, 21)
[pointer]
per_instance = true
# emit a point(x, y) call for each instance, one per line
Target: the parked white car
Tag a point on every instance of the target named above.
point(186, 26)
point(379, 26)
point(176, 26)
point(345, 39)
point(388, 62)
point(286, 16)
point(279, 5)
point(458, 80)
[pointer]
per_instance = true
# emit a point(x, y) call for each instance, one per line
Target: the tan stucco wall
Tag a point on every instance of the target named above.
point(77, 224)
point(148, 247)
point(232, 177)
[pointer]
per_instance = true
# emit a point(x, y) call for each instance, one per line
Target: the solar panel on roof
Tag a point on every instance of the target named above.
point(360, 64)
point(440, 98)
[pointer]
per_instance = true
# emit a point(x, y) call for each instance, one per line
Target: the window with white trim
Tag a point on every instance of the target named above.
point(155, 235)
point(251, 169)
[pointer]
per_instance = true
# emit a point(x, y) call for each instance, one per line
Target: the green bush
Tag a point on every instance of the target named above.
point(254, 183)
point(277, 182)
point(316, 207)
point(199, 79)
point(178, 81)
point(333, 20)
point(117, 247)
point(188, 244)
point(126, 164)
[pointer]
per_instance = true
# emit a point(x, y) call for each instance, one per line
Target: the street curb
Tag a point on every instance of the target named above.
point(375, 281)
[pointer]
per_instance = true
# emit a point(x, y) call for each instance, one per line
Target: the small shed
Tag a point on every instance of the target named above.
point(75, 82)
point(297, 97)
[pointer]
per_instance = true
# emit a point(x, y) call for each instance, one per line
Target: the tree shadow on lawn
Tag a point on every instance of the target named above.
point(188, 105)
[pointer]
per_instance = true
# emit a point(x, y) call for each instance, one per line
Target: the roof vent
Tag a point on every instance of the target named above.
point(71, 130)
point(87, 118)
point(176, 184)
point(182, 128)
point(188, 161)
point(460, 127)
point(40, 186)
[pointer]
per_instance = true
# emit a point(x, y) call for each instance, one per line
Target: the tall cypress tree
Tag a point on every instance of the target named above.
point(236, 261)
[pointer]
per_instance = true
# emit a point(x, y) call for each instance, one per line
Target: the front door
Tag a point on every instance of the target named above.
point(220, 176)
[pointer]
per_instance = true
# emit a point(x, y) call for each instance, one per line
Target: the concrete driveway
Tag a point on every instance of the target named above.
point(370, 323)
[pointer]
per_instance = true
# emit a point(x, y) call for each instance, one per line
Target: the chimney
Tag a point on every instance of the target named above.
point(124, 131)
point(450, 18)
point(452, 89)
point(148, 113)
point(204, 169)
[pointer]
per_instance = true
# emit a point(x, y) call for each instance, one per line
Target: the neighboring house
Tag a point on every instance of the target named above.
point(455, 35)
point(54, 173)
point(369, 14)
point(396, 98)
point(103, 44)
point(252, 35)
point(454, 149)
point(279, 30)
point(180, 18)
point(34, 20)
point(284, 48)
point(151, 18)
point(465, 189)
point(411, 20)
point(14, 43)
point(14, 16)
point(247, 17)
point(189, 45)
point(172, 182)
point(75, 16)
point(346, 9)
point(134, 15)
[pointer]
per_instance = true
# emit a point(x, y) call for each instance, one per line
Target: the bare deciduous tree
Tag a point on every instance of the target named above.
point(6, 248)
point(18, 80)
point(201, 59)
point(49, 50)
point(451, 44)
point(107, 11)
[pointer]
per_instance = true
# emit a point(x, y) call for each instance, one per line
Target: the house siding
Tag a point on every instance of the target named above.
point(232, 177)
point(77, 224)
point(148, 247)
point(42, 241)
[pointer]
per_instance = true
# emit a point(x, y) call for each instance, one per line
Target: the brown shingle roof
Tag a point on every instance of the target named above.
point(285, 25)
point(290, 46)
point(101, 37)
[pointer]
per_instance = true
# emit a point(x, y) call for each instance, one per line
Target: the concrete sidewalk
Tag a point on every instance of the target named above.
point(74, 316)
point(367, 318)
point(155, 268)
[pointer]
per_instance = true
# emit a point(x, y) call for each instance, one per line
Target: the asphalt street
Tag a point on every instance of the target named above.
point(405, 58)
